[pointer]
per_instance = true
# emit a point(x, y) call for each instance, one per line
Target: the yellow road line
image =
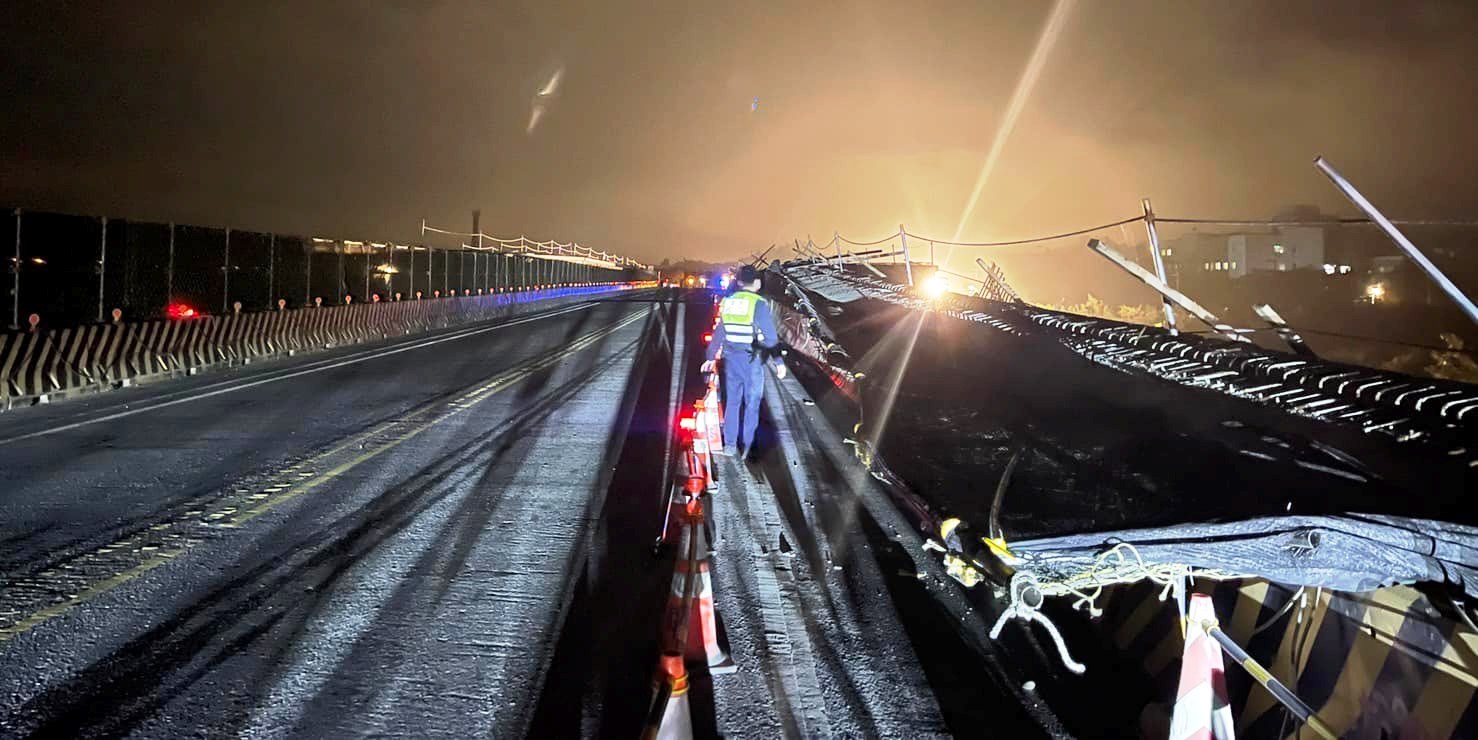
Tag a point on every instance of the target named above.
point(503, 381)
point(463, 403)
point(103, 586)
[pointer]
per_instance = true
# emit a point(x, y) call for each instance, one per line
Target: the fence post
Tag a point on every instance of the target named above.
point(271, 268)
point(15, 277)
point(169, 269)
point(412, 291)
point(1432, 272)
point(102, 266)
point(1149, 226)
point(1170, 294)
point(226, 275)
point(446, 272)
point(308, 273)
point(341, 286)
point(907, 267)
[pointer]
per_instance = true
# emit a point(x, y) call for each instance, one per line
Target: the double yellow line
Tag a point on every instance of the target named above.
point(294, 481)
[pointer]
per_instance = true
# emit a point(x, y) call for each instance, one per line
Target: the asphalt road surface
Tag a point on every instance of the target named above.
point(375, 540)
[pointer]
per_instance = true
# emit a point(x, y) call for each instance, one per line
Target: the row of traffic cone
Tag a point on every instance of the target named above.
point(690, 624)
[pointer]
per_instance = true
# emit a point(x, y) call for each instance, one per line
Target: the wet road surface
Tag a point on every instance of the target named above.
point(379, 540)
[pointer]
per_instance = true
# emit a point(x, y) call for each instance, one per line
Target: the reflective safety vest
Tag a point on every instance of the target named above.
point(737, 312)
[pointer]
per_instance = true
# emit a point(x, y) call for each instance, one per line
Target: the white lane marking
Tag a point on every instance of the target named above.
point(351, 360)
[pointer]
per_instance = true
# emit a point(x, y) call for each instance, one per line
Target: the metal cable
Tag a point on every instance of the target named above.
point(1308, 222)
point(1033, 240)
point(1270, 621)
point(868, 244)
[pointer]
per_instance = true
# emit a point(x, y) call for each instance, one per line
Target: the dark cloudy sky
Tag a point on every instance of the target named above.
point(356, 118)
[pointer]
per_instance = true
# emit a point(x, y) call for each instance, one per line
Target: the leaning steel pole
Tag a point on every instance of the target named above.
point(1442, 281)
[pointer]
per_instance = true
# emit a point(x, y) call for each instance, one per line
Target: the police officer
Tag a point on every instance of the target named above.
point(744, 337)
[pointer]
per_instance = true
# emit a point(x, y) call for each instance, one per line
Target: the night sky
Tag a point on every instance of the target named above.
point(356, 119)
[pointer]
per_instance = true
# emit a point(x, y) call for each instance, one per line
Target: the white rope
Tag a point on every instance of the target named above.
point(1121, 564)
point(1023, 586)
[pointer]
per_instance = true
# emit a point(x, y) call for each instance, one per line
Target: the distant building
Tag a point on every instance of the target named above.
point(1279, 249)
point(1236, 254)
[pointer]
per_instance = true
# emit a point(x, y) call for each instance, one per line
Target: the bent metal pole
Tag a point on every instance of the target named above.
point(1159, 261)
point(1442, 281)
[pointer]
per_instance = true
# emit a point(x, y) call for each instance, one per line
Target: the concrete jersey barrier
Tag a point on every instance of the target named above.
point(37, 365)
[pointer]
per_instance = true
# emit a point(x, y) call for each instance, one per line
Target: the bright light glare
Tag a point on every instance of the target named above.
point(935, 287)
point(1023, 91)
point(1375, 292)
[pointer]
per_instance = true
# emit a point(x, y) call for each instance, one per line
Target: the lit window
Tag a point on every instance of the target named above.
point(1344, 269)
point(1277, 249)
point(1207, 266)
point(1282, 267)
point(1329, 269)
point(1234, 265)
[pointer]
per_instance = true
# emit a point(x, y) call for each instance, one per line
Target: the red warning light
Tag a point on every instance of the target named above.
point(707, 338)
point(688, 423)
point(180, 311)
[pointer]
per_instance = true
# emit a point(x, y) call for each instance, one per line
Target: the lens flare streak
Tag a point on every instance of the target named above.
point(1024, 86)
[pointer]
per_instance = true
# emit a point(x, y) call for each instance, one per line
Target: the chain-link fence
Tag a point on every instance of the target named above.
point(67, 269)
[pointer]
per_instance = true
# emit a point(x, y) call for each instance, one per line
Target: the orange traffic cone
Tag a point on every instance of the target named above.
point(691, 601)
point(1201, 708)
point(670, 717)
point(700, 457)
point(702, 619)
point(713, 416)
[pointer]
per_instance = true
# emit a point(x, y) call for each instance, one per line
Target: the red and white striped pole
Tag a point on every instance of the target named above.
point(1201, 708)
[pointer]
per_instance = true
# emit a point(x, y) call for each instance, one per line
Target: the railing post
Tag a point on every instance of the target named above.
point(1170, 294)
point(907, 267)
point(169, 269)
point(15, 277)
point(102, 266)
point(1432, 271)
point(272, 268)
point(307, 272)
point(226, 274)
point(837, 240)
point(1159, 261)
